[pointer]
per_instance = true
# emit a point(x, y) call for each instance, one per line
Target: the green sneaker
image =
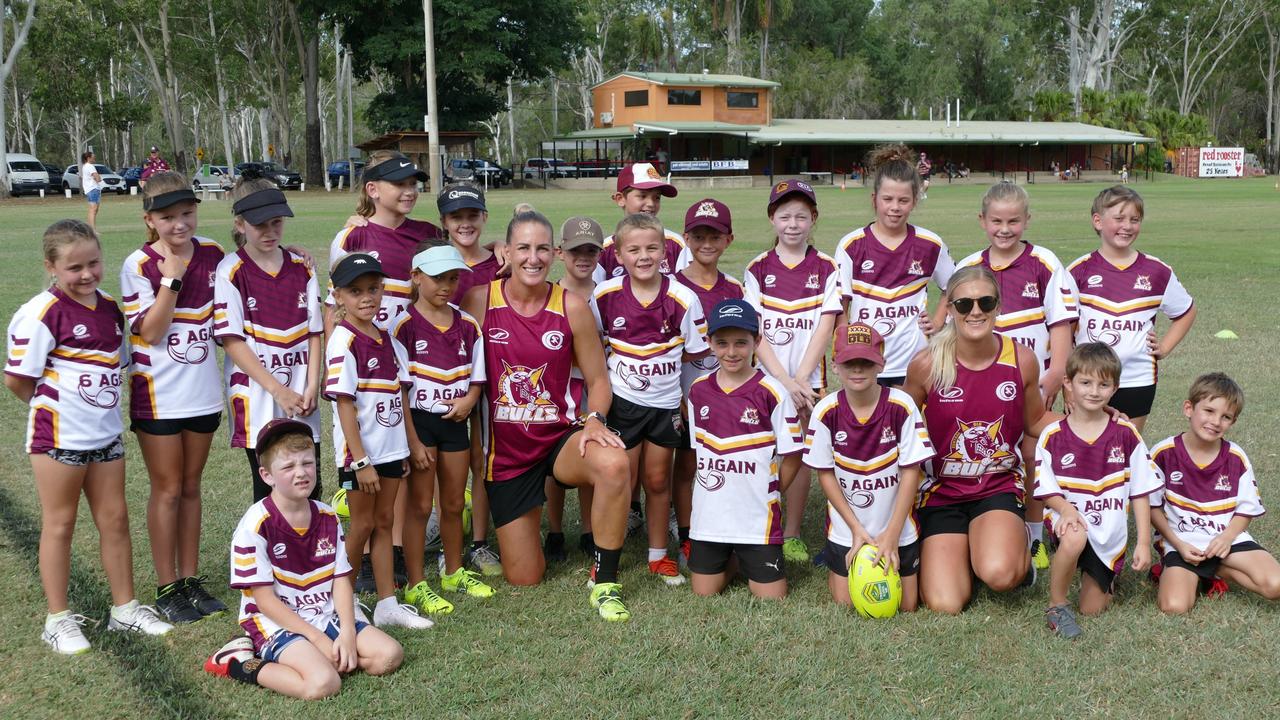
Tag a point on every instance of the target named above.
point(464, 580)
point(607, 599)
point(422, 597)
point(1039, 555)
point(794, 550)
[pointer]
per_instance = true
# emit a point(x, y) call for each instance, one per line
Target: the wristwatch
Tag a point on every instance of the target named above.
point(174, 284)
point(594, 415)
point(361, 464)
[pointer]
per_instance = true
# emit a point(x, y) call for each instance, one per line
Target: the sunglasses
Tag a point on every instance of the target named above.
point(986, 304)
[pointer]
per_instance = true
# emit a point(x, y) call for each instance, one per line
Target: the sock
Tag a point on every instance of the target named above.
point(1035, 528)
point(607, 565)
point(119, 610)
point(477, 544)
point(556, 535)
point(657, 554)
point(683, 532)
point(247, 671)
point(386, 604)
point(635, 507)
point(587, 542)
point(52, 618)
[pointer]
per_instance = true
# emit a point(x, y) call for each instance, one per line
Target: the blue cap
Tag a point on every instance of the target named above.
point(733, 314)
point(439, 260)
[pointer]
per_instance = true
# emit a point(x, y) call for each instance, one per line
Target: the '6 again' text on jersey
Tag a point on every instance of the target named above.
point(791, 301)
point(647, 342)
point(1118, 306)
point(866, 457)
point(1036, 293)
point(738, 436)
point(1199, 502)
point(367, 370)
point(976, 426)
point(724, 288)
point(394, 248)
point(443, 364)
point(888, 289)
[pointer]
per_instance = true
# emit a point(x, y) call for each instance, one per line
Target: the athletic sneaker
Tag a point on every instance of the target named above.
point(139, 618)
point(1214, 588)
point(1030, 578)
point(1039, 555)
point(553, 548)
point(399, 615)
point(422, 597)
point(667, 569)
point(794, 550)
point(485, 561)
point(173, 602)
point(1154, 573)
point(62, 633)
point(673, 526)
point(685, 548)
point(399, 567)
point(238, 648)
point(440, 564)
point(339, 503)
point(365, 583)
point(1063, 622)
point(635, 522)
point(362, 612)
point(193, 588)
point(464, 580)
point(606, 598)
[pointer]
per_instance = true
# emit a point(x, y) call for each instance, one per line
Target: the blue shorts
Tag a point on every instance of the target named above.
point(94, 196)
point(281, 639)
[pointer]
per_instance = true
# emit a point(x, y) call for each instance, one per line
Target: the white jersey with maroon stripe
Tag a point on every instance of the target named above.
point(368, 371)
point(867, 457)
point(74, 355)
point(443, 364)
point(1199, 502)
point(738, 436)
point(1099, 478)
point(791, 301)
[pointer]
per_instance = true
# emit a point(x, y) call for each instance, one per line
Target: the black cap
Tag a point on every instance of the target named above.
point(460, 197)
point(259, 207)
point(733, 313)
point(353, 266)
point(164, 200)
point(278, 428)
point(393, 170)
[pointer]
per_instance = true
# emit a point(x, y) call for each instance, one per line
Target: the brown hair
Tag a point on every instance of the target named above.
point(292, 442)
point(159, 184)
point(1117, 195)
point(637, 221)
point(1096, 359)
point(942, 346)
point(1217, 385)
point(66, 232)
point(1005, 191)
point(424, 245)
point(894, 162)
point(365, 207)
point(243, 189)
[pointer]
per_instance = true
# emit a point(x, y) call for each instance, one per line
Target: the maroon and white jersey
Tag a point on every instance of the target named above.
point(394, 248)
point(1099, 478)
point(368, 371)
point(482, 273)
point(299, 564)
point(1199, 502)
point(976, 426)
point(1118, 307)
point(888, 289)
point(179, 379)
point(738, 436)
point(1036, 293)
point(74, 354)
point(791, 301)
point(676, 258)
point(724, 288)
point(443, 363)
point(528, 361)
point(647, 343)
point(276, 315)
point(867, 456)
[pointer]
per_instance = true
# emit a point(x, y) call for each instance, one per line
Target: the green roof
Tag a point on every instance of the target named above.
point(699, 79)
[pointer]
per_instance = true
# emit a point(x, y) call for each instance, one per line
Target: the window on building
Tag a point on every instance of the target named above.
point(743, 99)
point(636, 98)
point(684, 97)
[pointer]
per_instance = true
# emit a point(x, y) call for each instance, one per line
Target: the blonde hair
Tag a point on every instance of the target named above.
point(292, 442)
point(522, 208)
point(1006, 192)
point(1117, 195)
point(894, 162)
point(66, 232)
point(159, 184)
point(637, 221)
point(243, 189)
point(1217, 385)
point(942, 346)
point(365, 206)
point(1096, 359)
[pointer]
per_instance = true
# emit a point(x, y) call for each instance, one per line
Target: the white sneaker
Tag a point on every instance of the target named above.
point(440, 563)
point(362, 613)
point(62, 633)
point(485, 561)
point(139, 618)
point(399, 615)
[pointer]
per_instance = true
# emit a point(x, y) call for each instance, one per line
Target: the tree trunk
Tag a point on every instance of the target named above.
point(220, 82)
point(19, 40)
point(337, 92)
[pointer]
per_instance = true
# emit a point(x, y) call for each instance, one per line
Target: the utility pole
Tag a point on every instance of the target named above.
point(433, 108)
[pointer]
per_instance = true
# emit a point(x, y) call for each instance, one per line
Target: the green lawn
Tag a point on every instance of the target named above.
point(542, 652)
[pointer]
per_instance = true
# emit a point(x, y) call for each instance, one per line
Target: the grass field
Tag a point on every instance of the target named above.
point(542, 652)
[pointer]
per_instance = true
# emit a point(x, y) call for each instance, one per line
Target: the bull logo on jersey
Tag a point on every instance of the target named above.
point(917, 267)
point(1223, 483)
point(325, 547)
point(105, 393)
point(750, 416)
point(664, 267)
point(1031, 291)
point(1115, 454)
point(887, 435)
point(710, 480)
point(1142, 283)
point(302, 300)
point(521, 397)
point(977, 448)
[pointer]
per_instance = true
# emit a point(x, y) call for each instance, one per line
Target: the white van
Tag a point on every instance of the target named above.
point(26, 175)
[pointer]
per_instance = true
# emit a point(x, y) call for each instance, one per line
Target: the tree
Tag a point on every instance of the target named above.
point(1200, 36)
point(19, 40)
point(163, 73)
point(1269, 64)
point(770, 13)
point(1052, 105)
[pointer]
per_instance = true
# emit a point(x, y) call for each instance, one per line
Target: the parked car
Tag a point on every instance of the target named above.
point(550, 167)
point(132, 175)
point(283, 177)
point(27, 175)
point(211, 177)
point(341, 169)
point(478, 170)
point(111, 182)
point(55, 178)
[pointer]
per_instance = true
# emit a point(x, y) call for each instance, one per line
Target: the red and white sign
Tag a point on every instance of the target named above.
point(1218, 162)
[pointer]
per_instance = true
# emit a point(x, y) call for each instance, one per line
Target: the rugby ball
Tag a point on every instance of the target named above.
point(874, 588)
point(339, 504)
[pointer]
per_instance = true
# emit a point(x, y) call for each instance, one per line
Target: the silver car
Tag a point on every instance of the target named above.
point(111, 182)
point(211, 177)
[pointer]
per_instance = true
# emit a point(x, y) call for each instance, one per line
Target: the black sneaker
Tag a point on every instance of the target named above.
point(587, 544)
point(553, 548)
point(173, 603)
point(193, 588)
point(364, 580)
point(399, 568)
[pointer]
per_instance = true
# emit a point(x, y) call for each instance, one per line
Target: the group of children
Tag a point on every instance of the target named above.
point(719, 395)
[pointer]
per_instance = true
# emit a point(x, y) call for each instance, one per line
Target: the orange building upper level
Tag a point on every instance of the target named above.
point(637, 97)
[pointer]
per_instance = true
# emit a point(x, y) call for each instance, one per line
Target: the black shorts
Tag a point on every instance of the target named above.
point(433, 431)
point(760, 563)
point(908, 558)
point(638, 423)
point(1208, 569)
point(892, 382)
point(955, 518)
point(393, 470)
point(198, 424)
point(509, 499)
point(1135, 402)
point(1090, 564)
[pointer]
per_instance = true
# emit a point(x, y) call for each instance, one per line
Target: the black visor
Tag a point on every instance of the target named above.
point(262, 206)
point(164, 200)
point(393, 170)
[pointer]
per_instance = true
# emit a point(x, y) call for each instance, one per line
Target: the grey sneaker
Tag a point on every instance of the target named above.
point(1063, 622)
point(635, 522)
point(485, 561)
point(673, 527)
